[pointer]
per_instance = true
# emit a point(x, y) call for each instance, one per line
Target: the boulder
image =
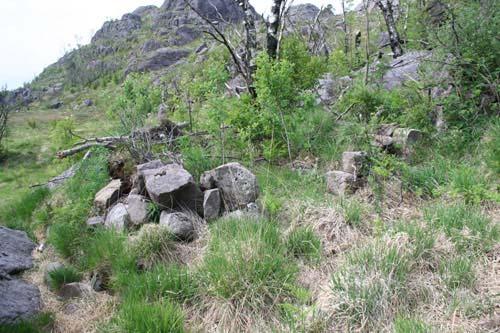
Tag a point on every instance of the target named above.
point(137, 207)
point(157, 59)
point(15, 251)
point(118, 218)
point(173, 187)
point(212, 204)
point(138, 182)
point(107, 196)
point(18, 301)
point(330, 88)
point(88, 103)
point(56, 105)
point(179, 224)
point(75, 290)
point(406, 136)
point(404, 68)
point(237, 184)
point(355, 163)
point(96, 221)
point(341, 183)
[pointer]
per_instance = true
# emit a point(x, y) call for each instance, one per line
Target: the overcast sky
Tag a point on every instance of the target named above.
point(36, 33)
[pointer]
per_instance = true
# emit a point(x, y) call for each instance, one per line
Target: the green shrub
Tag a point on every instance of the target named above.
point(61, 276)
point(154, 212)
point(142, 317)
point(303, 242)
point(491, 146)
point(246, 263)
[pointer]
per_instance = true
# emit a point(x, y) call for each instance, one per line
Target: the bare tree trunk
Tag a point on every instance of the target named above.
point(344, 27)
point(273, 29)
point(367, 44)
point(250, 44)
point(386, 7)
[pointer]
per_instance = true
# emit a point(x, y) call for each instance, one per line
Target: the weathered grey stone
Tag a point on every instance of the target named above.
point(341, 183)
point(179, 224)
point(330, 88)
point(137, 207)
point(355, 163)
point(95, 221)
point(173, 187)
point(212, 204)
point(404, 68)
point(157, 59)
point(237, 184)
point(18, 301)
point(107, 196)
point(118, 218)
point(118, 28)
point(406, 136)
point(15, 251)
point(382, 141)
point(138, 179)
point(75, 290)
point(252, 212)
point(88, 102)
point(207, 181)
point(56, 105)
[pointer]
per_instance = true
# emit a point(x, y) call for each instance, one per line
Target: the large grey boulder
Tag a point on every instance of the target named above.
point(405, 68)
point(173, 187)
point(139, 182)
point(406, 136)
point(137, 207)
point(330, 88)
point(212, 204)
point(341, 183)
point(118, 218)
point(237, 184)
point(18, 301)
point(355, 162)
point(108, 195)
point(15, 251)
point(95, 221)
point(179, 224)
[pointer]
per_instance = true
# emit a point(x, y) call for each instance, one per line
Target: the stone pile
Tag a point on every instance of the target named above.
point(228, 188)
point(396, 140)
point(351, 177)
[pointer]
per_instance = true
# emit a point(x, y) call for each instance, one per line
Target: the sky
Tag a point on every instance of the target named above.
point(36, 33)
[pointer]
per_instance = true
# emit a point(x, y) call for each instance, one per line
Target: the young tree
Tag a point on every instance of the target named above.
point(4, 113)
point(387, 9)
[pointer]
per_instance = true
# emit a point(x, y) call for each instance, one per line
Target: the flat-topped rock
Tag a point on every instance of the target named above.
point(108, 195)
point(137, 207)
point(173, 187)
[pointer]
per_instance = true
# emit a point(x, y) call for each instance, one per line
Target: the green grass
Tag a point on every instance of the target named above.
point(142, 317)
point(303, 243)
point(410, 325)
point(61, 276)
point(458, 273)
point(371, 285)
point(468, 228)
point(153, 244)
point(247, 264)
point(40, 324)
point(353, 211)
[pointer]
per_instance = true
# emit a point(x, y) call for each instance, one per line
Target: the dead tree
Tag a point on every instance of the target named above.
point(273, 27)
point(244, 66)
point(344, 27)
point(387, 9)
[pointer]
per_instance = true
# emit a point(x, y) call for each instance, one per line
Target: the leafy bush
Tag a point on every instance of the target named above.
point(61, 276)
point(303, 242)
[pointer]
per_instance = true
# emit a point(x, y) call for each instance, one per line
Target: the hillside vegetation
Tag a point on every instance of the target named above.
point(404, 239)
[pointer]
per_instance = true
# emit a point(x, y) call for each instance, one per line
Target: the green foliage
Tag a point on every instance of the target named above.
point(246, 263)
point(61, 276)
point(62, 130)
point(352, 210)
point(196, 158)
point(338, 63)
point(154, 212)
point(138, 99)
point(154, 243)
point(303, 242)
point(491, 146)
point(39, 324)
